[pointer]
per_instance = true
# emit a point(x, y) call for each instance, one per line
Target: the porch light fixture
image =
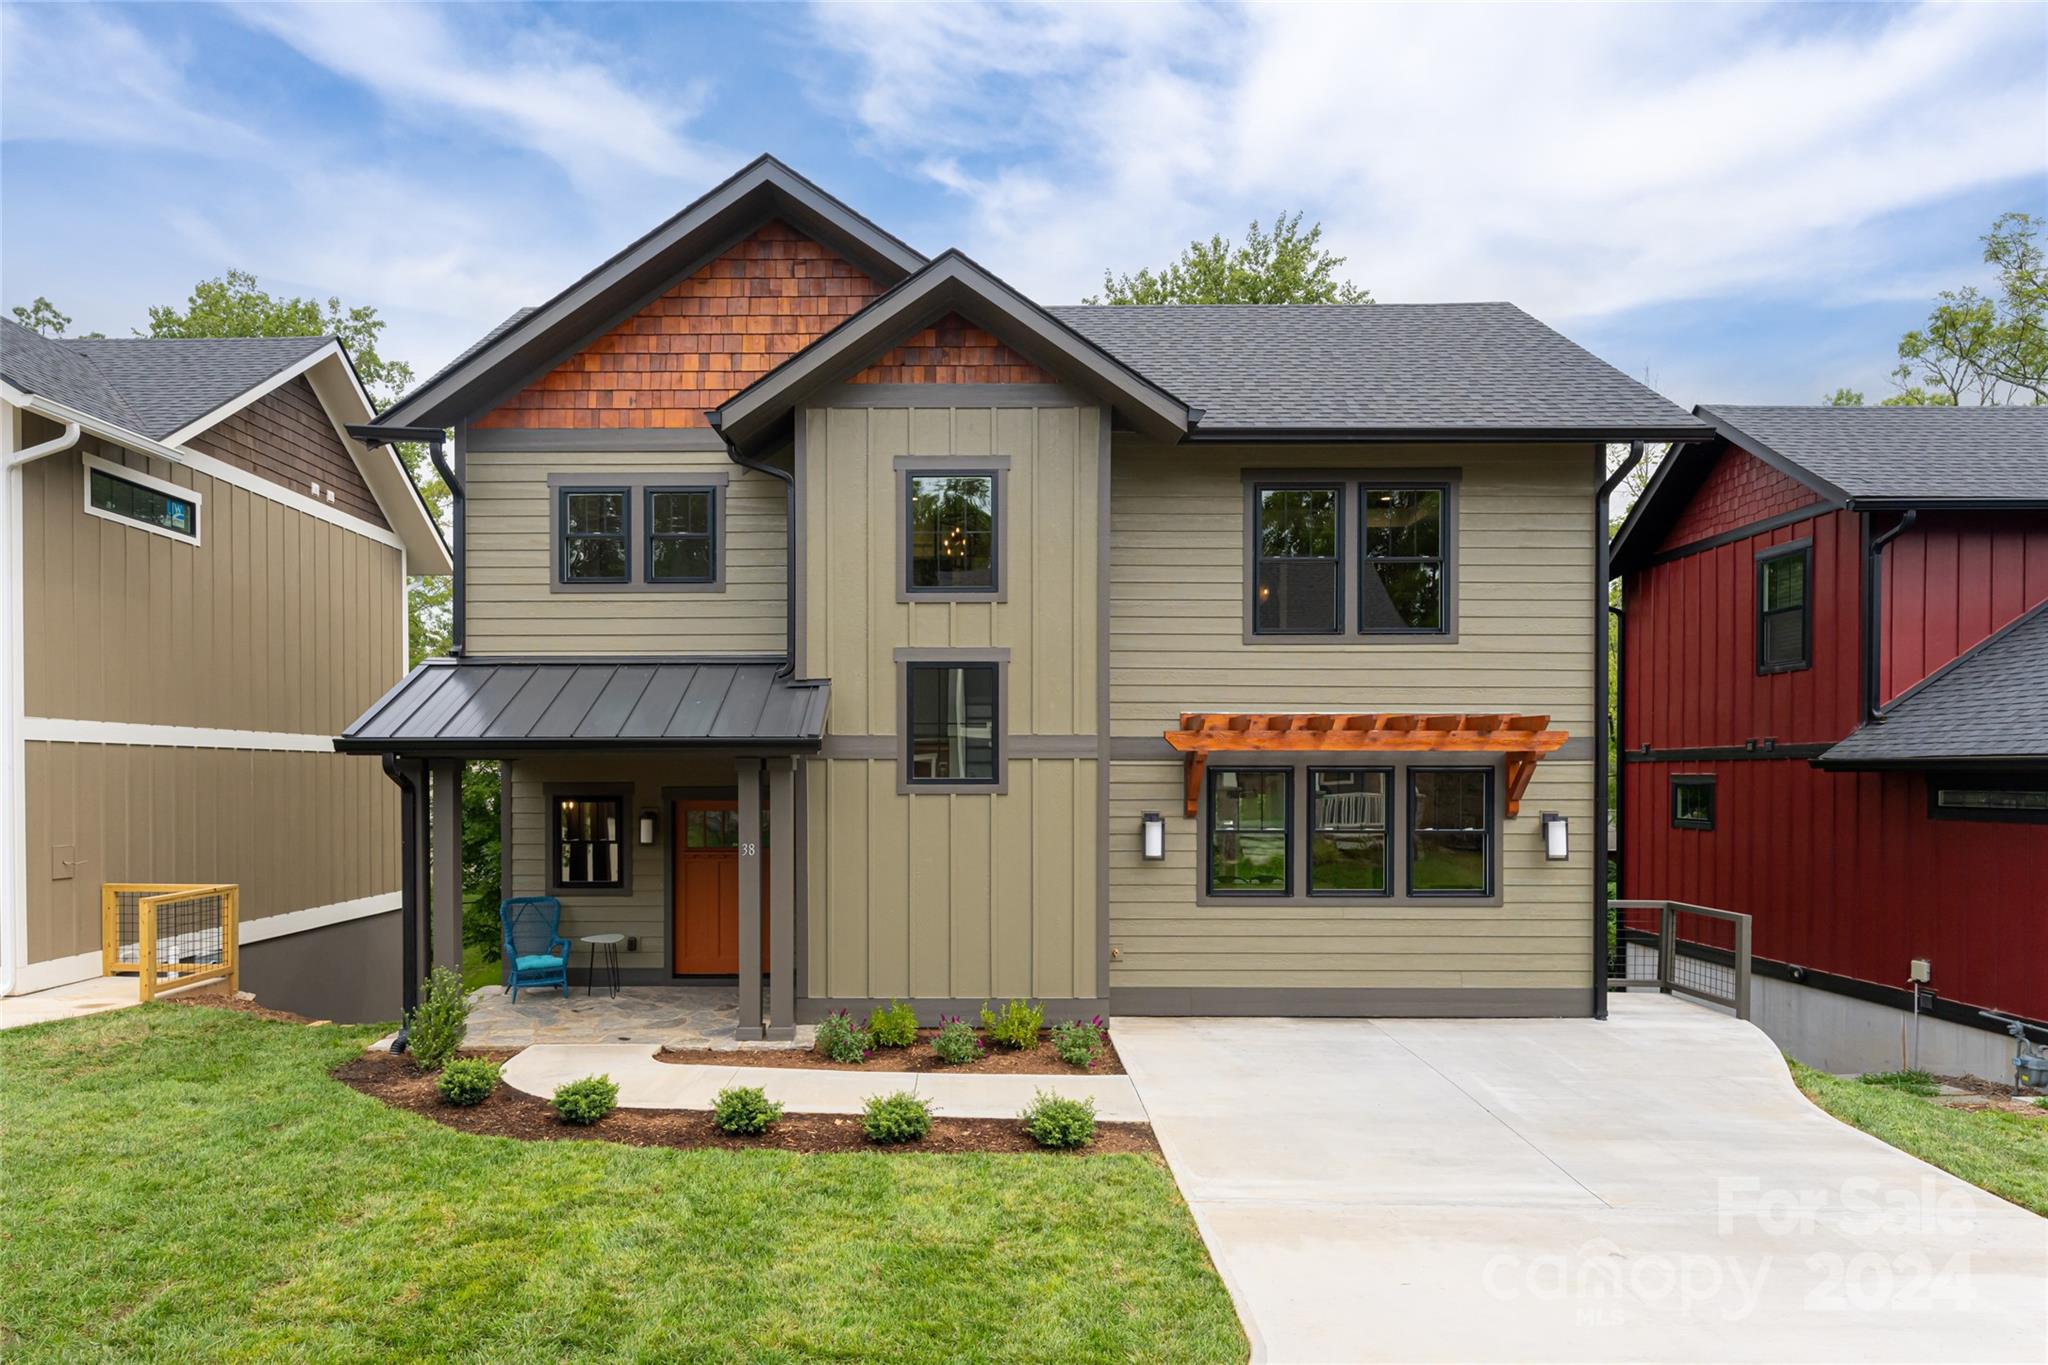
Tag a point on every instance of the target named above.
point(646, 826)
point(1155, 837)
point(1556, 845)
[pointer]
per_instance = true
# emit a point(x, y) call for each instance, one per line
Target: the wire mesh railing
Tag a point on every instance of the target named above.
point(171, 935)
point(1680, 949)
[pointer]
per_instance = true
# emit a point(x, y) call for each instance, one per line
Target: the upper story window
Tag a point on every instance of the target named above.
point(595, 546)
point(682, 535)
point(951, 523)
point(1402, 586)
point(1692, 801)
point(116, 493)
point(1298, 584)
point(1309, 575)
point(954, 723)
point(1784, 617)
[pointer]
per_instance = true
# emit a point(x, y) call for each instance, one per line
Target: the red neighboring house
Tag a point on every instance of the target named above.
point(1834, 712)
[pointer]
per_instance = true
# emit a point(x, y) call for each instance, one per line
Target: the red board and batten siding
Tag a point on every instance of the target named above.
point(1951, 580)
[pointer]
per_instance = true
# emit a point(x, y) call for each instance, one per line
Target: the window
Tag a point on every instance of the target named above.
point(1450, 831)
point(1347, 832)
point(952, 530)
point(1298, 586)
point(590, 842)
point(1692, 801)
point(953, 723)
point(1248, 831)
point(146, 501)
point(682, 529)
point(2020, 800)
point(1784, 632)
point(594, 541)
point(1401, 586)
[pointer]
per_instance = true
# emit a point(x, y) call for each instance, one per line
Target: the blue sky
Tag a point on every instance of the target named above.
point(1736, 203)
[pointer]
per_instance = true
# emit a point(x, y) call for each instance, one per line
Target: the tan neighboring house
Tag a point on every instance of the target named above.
point(848, 621)
point(206, 577)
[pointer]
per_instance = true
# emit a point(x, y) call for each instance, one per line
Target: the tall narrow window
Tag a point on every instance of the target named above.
point(594, 540)
point(682, 535)
point(1297, 580)
point(953, 722)
point(1401, 580)
point(1450, 831)
point(952, 527)
point(1784, 625)
point(1347, 838)
point(1248, 837)
point(589, 842)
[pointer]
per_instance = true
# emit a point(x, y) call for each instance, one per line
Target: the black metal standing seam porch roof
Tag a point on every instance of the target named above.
point(484, 707)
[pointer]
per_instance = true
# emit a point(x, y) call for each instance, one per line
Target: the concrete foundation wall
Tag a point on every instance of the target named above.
point(1842, 1034)
point(347, 972)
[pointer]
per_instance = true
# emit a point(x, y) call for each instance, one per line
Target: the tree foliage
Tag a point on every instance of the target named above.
point(1980, 347)
point(1285, 265)
point(1845, 397)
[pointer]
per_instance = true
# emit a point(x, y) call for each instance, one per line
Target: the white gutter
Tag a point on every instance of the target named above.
point(53, 446)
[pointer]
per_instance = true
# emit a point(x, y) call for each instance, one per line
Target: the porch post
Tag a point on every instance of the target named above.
point(782, 898)
point(749, 1025)
point(446, 938)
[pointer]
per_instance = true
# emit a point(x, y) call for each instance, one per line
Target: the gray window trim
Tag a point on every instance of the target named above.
point(638, 484)
point(920, 655)
point(1398, 820)
point(648, 534)
point(561, 537)
point(1308, 829)
point(552, 792)
point(1490, 893)
point(903, 466)
point(1804, 549)
point(1290, 845)
point(1345, 619)
point(1706, 780)
point(1447, 547)
point(1351, 551)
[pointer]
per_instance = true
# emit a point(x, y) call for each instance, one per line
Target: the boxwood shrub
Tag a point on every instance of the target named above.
point(467, 1081)
point(744, 1109)
point(1055, 1121)
point(901, 1117)
point(586, 1101)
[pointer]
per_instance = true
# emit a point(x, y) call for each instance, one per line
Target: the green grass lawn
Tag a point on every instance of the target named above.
point(2006, 1154)
point(187, 1183)
point(477, 972)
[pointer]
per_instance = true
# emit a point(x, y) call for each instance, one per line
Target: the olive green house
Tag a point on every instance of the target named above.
point(850, 626)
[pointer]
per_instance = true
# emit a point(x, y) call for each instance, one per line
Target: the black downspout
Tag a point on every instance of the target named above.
point(1618, 618)
point(1873, 616)
point(788, 478)
point(435, 439)
point(408, 895)
point(1600, 637)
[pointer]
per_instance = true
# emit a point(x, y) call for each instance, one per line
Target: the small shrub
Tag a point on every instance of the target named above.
point(1017, 1027)
point(955, 1042)
point(893, 1025)
point(467, 1081)
point(842, 1040)
point(901, 1117)
point(744, 1109)
point(439, 1022)
point(586, 1101)
point(2041, 1103)
point(1054, 1121)
point(1078, 1042)
point(1912, 1082)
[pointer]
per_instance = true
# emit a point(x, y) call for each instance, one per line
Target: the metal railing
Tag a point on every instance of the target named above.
point(171, 935)
point(1680, 949)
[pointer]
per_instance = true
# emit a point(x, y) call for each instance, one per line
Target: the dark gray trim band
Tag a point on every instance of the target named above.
point(1346, 1002)
point(950, 396)
point(858, 746)
point(1053, 746)
point(1363, 435)
point(1726, 753)
point(577, 441)
point(1741, 533)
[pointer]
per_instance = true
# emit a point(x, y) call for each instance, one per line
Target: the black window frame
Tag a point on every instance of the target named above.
point(1442, 557)
point(1940, 782)
point(94, 473)
point(1696, 782)
point(1387, 834)
point(994, 669)
point(709, 536)
point(556, 800)
point(1340, 577)
point(1286, 773)
point(1765, 557)
point(563, 535)
point(1491, 829)
point(993, 588)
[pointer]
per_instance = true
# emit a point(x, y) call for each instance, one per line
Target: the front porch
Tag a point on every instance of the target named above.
point(672, 1016)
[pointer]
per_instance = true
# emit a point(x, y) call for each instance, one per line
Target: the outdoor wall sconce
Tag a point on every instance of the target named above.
point(646, 826)
point(1155, 837)
point(1556, 844)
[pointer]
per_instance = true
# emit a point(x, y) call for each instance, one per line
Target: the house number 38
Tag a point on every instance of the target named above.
point(749, 850)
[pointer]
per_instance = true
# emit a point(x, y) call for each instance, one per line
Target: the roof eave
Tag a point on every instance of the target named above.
point(1465, 433)
point(1777, 460)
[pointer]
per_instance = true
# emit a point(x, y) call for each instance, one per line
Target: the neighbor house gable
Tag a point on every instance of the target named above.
point(1738, 490)
point(287, 437)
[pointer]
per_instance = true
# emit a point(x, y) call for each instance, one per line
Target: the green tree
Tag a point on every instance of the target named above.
point(1845, 397)
point(42, 317)
point(1285, 265)
point(1983, 347)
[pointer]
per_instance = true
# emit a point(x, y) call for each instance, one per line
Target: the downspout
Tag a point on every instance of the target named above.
point(1600, 640)
point(408, 895)
point(55, 445)
point(1618, 619)
point(1873, 616)
point(436, 441)
point(788, 478)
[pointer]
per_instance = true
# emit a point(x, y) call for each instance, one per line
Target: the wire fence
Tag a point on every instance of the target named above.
point(170, 936)
point(1680, 949)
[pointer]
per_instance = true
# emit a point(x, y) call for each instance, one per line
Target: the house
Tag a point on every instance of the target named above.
point(1835, 717)
point(206, 578)
point(841, 615)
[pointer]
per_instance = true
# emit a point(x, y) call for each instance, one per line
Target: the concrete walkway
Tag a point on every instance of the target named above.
point(645, 1083)
point(95, 995)
point(1652, 1188)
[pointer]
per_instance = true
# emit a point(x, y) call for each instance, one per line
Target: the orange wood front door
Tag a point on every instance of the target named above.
point(706, 846)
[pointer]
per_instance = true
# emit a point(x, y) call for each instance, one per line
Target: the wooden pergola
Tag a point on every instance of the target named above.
point(1524, 739)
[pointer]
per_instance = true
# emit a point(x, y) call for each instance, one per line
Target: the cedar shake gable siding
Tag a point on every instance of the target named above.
point(702, 340)
point(287, 437)
point(1740, 490)
point(952, 351)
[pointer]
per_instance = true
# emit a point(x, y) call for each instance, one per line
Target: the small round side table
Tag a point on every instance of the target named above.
point(610, 943)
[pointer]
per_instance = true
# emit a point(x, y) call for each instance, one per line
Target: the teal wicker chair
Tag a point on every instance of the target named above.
point(536, 954)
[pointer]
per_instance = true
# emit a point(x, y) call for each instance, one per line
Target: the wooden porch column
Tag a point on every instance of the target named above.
point(749, 1025)
point(446, 937)
point(781, 898)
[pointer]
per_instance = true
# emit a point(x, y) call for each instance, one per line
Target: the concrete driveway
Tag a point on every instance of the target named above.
point(1648, 1188)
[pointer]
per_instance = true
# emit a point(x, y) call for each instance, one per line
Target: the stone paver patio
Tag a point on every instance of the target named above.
point(675, 1016)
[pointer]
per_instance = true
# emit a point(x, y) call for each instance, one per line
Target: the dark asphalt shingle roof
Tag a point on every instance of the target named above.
point(150, 385)
point(487, 706)
point(1990, 704)
point(1276, 367)
point(1901, 453)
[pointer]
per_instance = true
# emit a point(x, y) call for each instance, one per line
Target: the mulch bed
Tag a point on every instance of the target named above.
point(1037, 1061)
point(509, 1113)
point(1992, 1096)
point(220, 998)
